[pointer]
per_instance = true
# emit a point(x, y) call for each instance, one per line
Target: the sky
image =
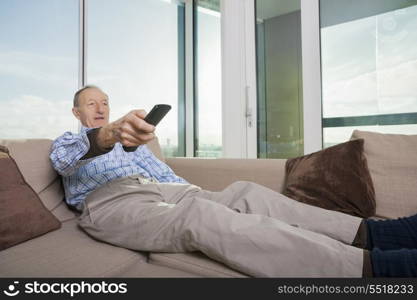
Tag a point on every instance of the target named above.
point(38, 67)
point(132, 55)
point(369, 65)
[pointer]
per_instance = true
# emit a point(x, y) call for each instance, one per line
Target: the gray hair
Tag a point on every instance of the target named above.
point(78, 93)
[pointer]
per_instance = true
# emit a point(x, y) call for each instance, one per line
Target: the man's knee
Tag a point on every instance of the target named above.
point(200, 216)
point(244, 188)
point(241, 184)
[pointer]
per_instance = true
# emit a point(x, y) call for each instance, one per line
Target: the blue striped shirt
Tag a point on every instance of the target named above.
point(81, 177)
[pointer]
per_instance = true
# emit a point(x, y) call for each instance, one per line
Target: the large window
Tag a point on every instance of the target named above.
point(134, 50)
point(208, 105)
point(369, 67)
point(38, 67)
point(133, 53)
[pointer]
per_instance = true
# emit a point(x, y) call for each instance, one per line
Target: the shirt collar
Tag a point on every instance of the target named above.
point(84, 129)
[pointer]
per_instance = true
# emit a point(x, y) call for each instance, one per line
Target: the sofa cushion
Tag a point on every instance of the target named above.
point(64, 253)
point(32, 157)
point(69, 252)
point(336, 178)
point(23, 216)
point(156, 149)
point(392, 161)
point(221, 172)
point(194, 262)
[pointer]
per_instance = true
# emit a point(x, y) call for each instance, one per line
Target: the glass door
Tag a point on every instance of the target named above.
point(279, 79)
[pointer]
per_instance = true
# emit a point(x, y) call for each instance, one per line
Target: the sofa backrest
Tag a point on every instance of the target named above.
point(32, 158)
point(392, 163)
point(156, 149)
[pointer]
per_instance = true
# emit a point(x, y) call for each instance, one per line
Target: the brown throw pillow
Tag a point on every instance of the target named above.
point(336, 178)
point(4, 149)
point(22, 214)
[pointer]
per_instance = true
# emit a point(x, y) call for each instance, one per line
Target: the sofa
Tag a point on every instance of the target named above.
point(70, 252)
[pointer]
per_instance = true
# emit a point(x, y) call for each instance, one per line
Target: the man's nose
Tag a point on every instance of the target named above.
point(101, 109)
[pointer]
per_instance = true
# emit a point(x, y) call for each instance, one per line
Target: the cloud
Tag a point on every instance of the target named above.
point(37, 67)
point(29, 116)
point(388, 90)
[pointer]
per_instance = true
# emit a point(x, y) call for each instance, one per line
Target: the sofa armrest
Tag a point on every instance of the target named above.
point(216, 174)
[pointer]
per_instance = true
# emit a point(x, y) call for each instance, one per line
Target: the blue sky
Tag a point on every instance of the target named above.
point(370, 64)
point(132, 55)
point(38, 66)
point(35, 56)
point(369, 67)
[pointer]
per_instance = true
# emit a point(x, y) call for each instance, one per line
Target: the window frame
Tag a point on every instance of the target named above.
point(185, 71)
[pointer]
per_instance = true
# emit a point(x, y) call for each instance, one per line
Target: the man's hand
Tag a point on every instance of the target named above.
point(130, 130)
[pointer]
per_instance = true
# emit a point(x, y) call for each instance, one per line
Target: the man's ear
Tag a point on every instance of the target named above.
point(76, 113)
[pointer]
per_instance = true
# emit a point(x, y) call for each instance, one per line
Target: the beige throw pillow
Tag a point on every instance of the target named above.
point(392, 162)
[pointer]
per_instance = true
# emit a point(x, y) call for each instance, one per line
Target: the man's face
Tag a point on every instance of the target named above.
point(93, 108)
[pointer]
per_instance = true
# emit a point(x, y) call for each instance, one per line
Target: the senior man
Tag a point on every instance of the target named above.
point(133, 200)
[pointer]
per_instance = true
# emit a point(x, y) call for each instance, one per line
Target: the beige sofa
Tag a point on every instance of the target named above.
point(70, 252)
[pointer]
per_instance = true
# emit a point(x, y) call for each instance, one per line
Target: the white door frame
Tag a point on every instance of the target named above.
point(312, 106)
point(238, 79)
point(189, 78)
point(251, 81)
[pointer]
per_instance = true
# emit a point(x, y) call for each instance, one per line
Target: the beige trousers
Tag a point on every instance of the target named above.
point(248, 227)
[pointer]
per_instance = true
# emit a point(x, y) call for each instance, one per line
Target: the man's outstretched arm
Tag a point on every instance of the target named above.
point(70, 151)
point(130, 130)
